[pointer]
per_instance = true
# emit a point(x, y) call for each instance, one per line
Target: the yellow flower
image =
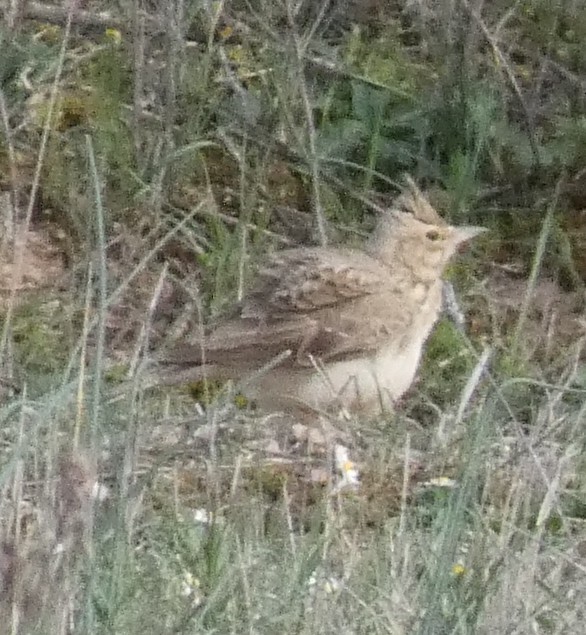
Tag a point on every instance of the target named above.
point(113, 36)
point(241, 401)
point(226, 32)
point(458, 570)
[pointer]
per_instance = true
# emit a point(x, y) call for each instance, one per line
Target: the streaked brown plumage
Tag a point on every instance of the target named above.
point(355, 321)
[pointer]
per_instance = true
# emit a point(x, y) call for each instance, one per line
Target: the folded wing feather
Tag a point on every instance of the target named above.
point(309, 301)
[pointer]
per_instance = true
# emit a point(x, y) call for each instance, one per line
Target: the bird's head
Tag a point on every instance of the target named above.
point(412, 234)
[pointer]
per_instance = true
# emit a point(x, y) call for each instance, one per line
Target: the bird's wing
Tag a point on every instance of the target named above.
point(327, 296)
point(328, 304)
point(298, 282)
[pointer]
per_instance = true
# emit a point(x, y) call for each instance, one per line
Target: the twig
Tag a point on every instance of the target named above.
point(85, 19)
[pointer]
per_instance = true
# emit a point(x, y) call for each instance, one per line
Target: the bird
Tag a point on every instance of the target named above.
point(333, 327)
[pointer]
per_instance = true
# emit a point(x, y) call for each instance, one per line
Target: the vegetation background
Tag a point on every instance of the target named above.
point(151, 152)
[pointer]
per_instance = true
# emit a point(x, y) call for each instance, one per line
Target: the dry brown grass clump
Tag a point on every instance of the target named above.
point(44, 541)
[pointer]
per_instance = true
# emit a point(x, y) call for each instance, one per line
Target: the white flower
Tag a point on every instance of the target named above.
point(347, 468)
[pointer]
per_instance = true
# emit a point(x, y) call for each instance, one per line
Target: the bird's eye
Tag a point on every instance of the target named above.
point(433, 235)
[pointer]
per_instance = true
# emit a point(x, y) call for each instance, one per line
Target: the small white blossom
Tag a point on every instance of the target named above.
point(347, 468)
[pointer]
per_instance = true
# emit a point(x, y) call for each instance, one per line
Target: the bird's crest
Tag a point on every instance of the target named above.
point(413, 201)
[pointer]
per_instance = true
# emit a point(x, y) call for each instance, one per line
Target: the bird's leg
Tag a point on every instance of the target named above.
point(451, 307)
point(352, 388)
point(303, 355)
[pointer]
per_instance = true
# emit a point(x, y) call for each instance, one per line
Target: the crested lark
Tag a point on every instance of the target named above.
point(354, 321)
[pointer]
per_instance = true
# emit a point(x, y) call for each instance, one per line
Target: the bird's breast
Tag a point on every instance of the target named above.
point(368, 384)
point(374, 382)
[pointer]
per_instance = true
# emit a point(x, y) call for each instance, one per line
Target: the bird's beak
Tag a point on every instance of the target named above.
point(466, 233)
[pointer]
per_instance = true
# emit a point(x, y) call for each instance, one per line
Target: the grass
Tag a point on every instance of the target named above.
point(153, 169)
